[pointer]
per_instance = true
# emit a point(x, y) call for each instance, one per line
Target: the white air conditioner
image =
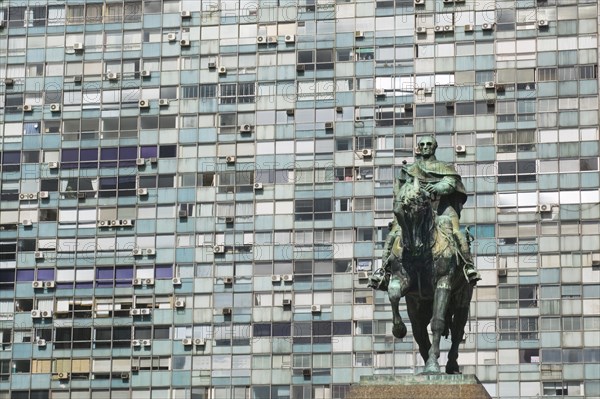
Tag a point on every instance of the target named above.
point(27, 108)
point(419, 2)
point(163, 102)
point(46, 313)
point(146, 73)
point(290, 38)
point(150, 251)
point(38, 255)
point(487, 26)
point(55, 107)
point(421, 29)
point(27, 222)
point(153, 160)
point(186, 341)
point(438, 28)
point(363, 275)
point(144, 103)
point(448, 1)
point(124, 375)
point(184, 43)
point(176, 281)
point(287, 302)
point(126, 222)
point(460, 149)
point(542, 23)
point(136, 342)
point(36, 314)
point(136, 252)
point(258, 186)
point(544, 208)
point(275, 278)
point(63, 376)
point(199, 342)
point(78, 46)
point(245, 128)
point(112, 76)
point(228, 280)
point(226, 311)
point(212, 64)
point(271, 39)
point(142, 191)
point(359, 34)
point(183, 213)
point(329, 125)
point(230, 159)
point(52, 165)
point(137, 282)
point(49, 284)
point(448, 28)
point(315, 308)
point(219, 249)
point(287, 277)
point(145, 311)
point(469, 28)
point(44, 194)
point(140, 161)
point(77, 79)
point(489, 85)
point(40, 342)
point(180, 303)
point(261, 39)
point(148, 281)
point(186, 14)
point(172, 37)
point(367, 153)
point(222, 70)
point(379, 93)
point(135, 312)
point(37, 284)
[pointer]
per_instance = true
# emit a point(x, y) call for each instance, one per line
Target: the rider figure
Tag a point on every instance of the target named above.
point(444, 184)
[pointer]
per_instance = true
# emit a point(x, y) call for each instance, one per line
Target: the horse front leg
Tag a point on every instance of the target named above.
point(396, 290)
point(440, 305)
point(457, 332)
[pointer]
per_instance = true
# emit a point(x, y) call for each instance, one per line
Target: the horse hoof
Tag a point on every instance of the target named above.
point(399, 330)
point(452, 368)
point(432, 367)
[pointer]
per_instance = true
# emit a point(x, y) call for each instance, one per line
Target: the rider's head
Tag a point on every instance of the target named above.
point(427, 146)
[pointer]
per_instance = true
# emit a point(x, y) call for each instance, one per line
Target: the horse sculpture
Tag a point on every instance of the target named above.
point(422, 262)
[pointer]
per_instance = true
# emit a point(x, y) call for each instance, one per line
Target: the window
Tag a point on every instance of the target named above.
point(313, 209)
point(519, 171)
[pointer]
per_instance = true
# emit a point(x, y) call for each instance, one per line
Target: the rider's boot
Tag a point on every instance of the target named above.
point(471, 274)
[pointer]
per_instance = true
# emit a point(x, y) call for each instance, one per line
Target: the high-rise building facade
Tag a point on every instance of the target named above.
point(192, 192)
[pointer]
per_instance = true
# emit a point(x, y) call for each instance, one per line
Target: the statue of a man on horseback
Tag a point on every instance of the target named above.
point(427, 258)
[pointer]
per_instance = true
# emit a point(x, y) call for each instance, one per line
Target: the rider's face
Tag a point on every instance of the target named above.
point(427, 147)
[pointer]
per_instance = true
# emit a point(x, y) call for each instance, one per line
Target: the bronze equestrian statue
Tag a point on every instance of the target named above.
point(427, 258)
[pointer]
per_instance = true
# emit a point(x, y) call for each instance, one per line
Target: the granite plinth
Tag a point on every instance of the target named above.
point(421, 386)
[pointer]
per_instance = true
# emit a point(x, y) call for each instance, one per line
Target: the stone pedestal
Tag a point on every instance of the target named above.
point(433, 386)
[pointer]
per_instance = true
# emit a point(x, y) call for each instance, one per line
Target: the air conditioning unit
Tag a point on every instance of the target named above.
point(419, 2)
point(52, 165)
point(27, 222)
point(448, 28)
point(134, 312)
point(469, 28)
point(46, 313)
point(421, 29)
point(146, 342)
point(112, 76)
point(163, 102)
point(544, 208)
point(258, 186)
point(184, 43)
point(438, 28)
point(300, 68)
point(136, 252)
point(271, 39)
point(287, 302)
point(137, 282)
point(180, 303)
point(136, 342)
point(359, 34)
point(9, 82)
point(135, 368)
point(228, 280)
point(367, 153)
point(36, 314)
point(229, 220)
point(144, 103)
point(460, 149)
point(140, 161)
point(448, 1)
point(186, 342)
point(219, 249)
point(55, 107)
point(77, 79)
point(339, 109)
point(489, 85)
point(145, 312)
point(148, 281)
point(44, 195)
point(150, 251)
point(172, 37)
point(183, 213)
point(329, 125)
point(153, 160)
point(186, 14)
point(542, 23)
point(487, 26)
point(226, 311)
point(49, 284)
point(212, 64)
point(40, 342)
point(176, 281)
point(37, 284)
point(261, 39)
point(124, 376)
point(276, 278)
point(63, 376)
point(38, 255)
point(290, 38)
point(222, 70)
point(142, 191)
point(199, 342)
point(502, 272)
point(287, 277)
point(230, 159)
point(126, 222)
point(78, 46)
point(245, 128)
point(80, 195)
point(146, 73)
point(363, 275)
point(315, 308)
point(289, 112)
point(27, 108)
point(379, 93)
